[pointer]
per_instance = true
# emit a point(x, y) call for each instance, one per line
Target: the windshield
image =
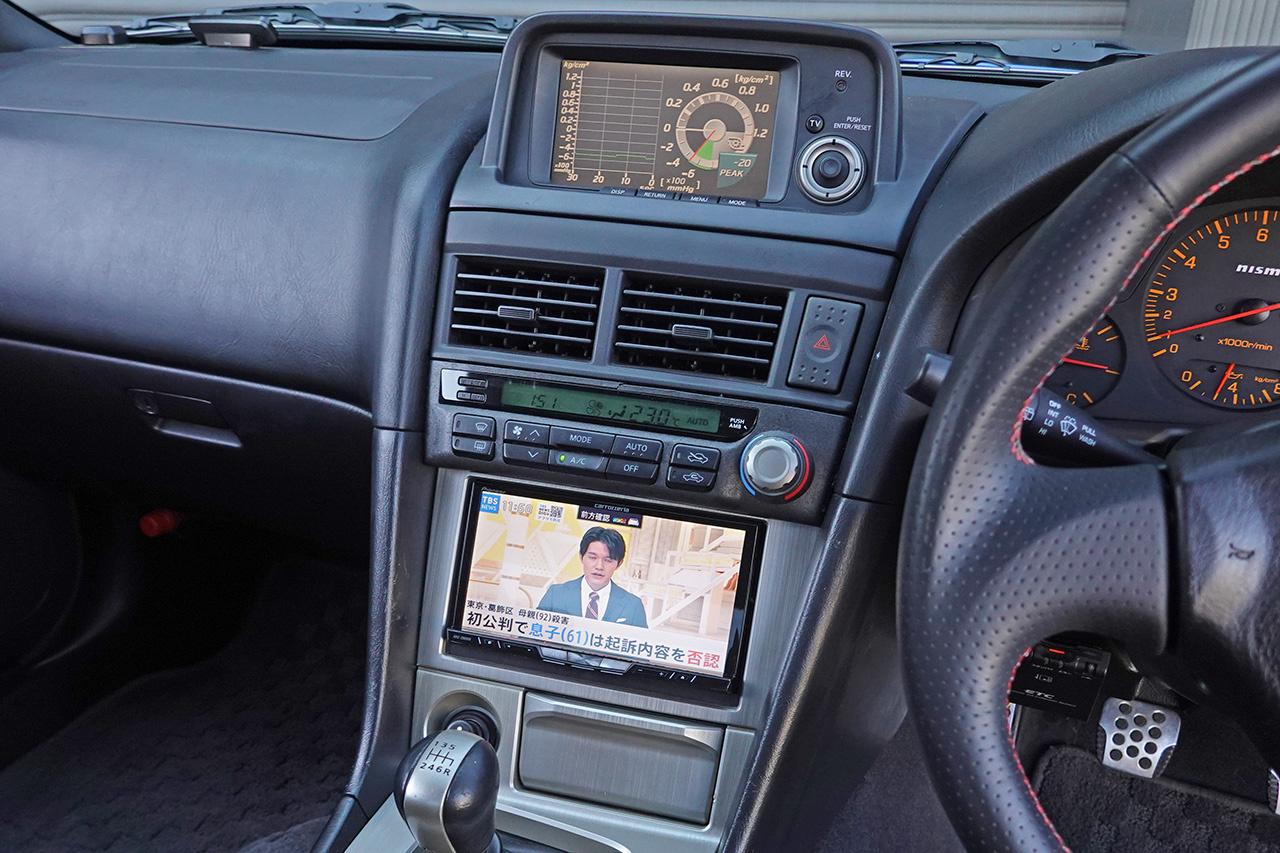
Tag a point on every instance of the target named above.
point(1145, 25)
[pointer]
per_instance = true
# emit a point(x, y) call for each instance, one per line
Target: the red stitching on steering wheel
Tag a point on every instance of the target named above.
point(1015, 439)
point(1025, 778)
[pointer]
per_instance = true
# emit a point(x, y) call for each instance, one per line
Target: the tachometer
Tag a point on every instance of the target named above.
point(1210, 310)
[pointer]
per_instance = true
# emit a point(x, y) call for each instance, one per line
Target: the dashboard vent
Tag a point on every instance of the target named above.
point(523, 307)
point(702, 327)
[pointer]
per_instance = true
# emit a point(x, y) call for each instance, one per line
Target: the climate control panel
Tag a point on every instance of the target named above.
point(761, 458)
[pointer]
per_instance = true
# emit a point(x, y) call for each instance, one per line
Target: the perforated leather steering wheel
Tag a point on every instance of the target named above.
point(999, 553)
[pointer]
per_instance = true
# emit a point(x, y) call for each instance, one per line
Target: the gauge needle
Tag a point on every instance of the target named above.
point(1225, 376)
point(1085, 363)
point(1216, 322)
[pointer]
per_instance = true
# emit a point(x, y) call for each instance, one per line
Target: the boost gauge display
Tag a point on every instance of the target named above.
point(658, 129)
point(713, 124)
point(1210, 310)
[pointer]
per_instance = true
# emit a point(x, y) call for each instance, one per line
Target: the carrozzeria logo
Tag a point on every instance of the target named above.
point(1255, 270)
point(1242, 344)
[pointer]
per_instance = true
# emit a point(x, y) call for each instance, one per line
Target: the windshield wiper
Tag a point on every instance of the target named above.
point(335, 22)
point(1023, 61)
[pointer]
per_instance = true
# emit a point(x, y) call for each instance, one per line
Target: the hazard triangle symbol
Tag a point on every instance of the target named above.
point(823, 344)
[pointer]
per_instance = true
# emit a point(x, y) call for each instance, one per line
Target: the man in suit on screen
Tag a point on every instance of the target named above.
point(594, 594)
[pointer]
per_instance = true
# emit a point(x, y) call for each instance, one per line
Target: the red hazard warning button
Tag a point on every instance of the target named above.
point(827, 333)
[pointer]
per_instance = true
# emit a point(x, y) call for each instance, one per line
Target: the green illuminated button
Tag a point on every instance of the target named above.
point(584, 463)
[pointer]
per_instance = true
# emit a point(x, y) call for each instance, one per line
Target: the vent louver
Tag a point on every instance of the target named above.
point(525, 307)
point(701, 327)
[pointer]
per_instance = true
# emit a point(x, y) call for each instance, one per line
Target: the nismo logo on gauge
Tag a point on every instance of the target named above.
point(1210, 307)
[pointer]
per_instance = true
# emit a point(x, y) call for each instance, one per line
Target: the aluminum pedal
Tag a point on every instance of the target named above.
point(1137, 737)
point(1273, 791)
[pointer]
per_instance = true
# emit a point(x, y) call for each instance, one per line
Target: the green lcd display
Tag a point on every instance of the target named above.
point(612, 407)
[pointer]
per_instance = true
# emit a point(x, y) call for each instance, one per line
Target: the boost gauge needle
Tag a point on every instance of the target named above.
point(1225, 376)
point(1248, 313)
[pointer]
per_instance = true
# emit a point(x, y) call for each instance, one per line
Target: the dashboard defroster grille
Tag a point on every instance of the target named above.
point(523, 307)
point(705, 327)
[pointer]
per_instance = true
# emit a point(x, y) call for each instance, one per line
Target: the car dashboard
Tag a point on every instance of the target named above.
point(669, 276)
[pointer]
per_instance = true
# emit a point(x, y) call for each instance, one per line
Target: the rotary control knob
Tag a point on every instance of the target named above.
point(831, 169)
point(775, 465)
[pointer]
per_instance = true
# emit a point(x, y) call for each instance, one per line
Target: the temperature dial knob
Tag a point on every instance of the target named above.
point(775, 465)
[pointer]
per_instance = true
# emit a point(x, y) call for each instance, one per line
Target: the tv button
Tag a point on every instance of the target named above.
point(632, 469)
point(690, 479)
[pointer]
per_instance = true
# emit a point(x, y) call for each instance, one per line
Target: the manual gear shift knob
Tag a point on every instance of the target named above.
point(447, 793)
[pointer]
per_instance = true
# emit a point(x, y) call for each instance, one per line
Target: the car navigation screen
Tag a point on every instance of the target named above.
point(672, 128)
point(606, 581)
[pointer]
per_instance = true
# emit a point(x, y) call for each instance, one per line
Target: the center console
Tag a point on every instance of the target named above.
point(660, 286)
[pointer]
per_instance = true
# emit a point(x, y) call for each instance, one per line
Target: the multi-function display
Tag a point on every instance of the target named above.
point(606, 580)
point(664, 127)
point(569, 402)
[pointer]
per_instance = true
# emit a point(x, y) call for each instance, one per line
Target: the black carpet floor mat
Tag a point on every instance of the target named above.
point(1099, 810)
point(249, 749)
point(895, 809)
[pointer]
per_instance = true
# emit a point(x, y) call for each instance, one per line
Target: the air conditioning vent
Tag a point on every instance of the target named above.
point(523, 307)
point(702, 327)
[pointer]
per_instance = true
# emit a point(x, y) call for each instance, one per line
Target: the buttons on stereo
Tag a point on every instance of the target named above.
point(740, 202)
point(831, 169)
point(775, 465)
point(660, 194)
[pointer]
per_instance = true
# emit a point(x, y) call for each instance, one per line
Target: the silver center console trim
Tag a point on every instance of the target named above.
point(787, 567)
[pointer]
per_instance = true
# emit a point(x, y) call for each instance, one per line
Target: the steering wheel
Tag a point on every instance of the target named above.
point(999, 553)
